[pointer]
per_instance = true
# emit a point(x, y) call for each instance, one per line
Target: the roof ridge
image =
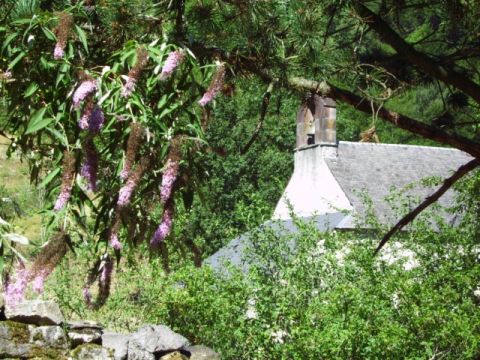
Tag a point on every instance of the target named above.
point(399, 145)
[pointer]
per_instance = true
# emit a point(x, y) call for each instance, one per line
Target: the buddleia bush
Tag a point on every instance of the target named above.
point(110, 134)
point(326, 297)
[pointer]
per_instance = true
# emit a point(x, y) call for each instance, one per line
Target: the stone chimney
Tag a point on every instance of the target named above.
point(316, 122)
point(313, 189)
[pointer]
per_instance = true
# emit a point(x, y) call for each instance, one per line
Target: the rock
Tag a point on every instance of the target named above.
point(14, 338)
point(35, 312)
point(2, 307)
point(201, 352)
point(90, 352)
point(175, 355)
point(23, 341)
point(48, 336)
point(118, 343)
point(83, 324)
point(85, 336)
point(152, 339)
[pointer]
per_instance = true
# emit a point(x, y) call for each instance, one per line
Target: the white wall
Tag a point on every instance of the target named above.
point(312, 189)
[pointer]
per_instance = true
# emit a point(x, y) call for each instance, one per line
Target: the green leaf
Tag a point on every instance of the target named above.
point(31, 89)
point(82, 37)
point(48, 33)
point(17, 59)
point(59, 79)
point(22, 21)
point(37, 121)
point(8, 40)
point(58, 135)
point(49, 178)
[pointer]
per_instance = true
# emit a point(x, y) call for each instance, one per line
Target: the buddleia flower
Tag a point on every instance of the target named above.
point(129, 86)
point(97, 118)
point(115, 242)
point(165, 226)
point(47, 260)
point(113, 238)
point(174, 59)
point(67, 180)
point(134, 73)
point(104, 281)
point(15, 290)
point(215, 86)
point(58, 52)
point(62, 31)
point(126, 191)
point(38, 282)
point(83, 123)
point(168, 179)
point(86, 88)
point(89, 167)
point(133, 144)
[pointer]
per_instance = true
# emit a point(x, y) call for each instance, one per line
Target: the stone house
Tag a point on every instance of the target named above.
point(332, 179)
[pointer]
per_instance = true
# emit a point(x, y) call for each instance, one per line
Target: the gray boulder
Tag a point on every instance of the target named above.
point(116, 342)
point(48, 336)
point(201, 352)
point(35, 312)
point(90, 352)
point(151, 339)
point(23, 341)
point(84, 332)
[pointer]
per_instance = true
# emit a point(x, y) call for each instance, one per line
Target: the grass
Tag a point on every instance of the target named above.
point(18, 197)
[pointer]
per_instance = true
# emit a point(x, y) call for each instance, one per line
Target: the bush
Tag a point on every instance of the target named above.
point(329, 298)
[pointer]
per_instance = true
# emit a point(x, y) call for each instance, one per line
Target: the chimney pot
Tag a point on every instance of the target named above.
point(316, 122)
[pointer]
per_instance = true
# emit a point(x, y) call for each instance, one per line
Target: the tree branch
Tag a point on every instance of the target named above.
point(180, 21)
point(447, 184)
point(246, 64)
point(263, 112)
point(409, 53)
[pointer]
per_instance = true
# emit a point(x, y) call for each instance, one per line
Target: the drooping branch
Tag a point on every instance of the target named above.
point(447, 184)
point(249, 65)
point(180, 19)
point(422, 61)
point(263, 112)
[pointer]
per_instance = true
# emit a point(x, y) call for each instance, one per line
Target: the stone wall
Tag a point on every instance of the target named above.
point(37, 330)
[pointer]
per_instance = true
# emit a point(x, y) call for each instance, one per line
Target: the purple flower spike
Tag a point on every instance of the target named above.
point(129, 86)
point(168, 179)
point(90, 166)
point(86, 88)
point(96, 120)
point(215, 86)
point(86, 295)
point(63, 198)
point(58, 52)
point(164, 229)
point(114, 242)
point(85, 119)
point(126, 192)
point(174, 59)
point(106, 273)
point(14, 292)
point(38, 282)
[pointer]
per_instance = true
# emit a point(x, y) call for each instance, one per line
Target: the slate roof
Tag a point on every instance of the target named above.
point(370, 169)
point(376, 169)
point(235, 251)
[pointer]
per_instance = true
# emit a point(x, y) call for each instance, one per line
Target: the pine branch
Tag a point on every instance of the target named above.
point(246, 64)
point(263, 112)
point(447, 184)
point(409, 53)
